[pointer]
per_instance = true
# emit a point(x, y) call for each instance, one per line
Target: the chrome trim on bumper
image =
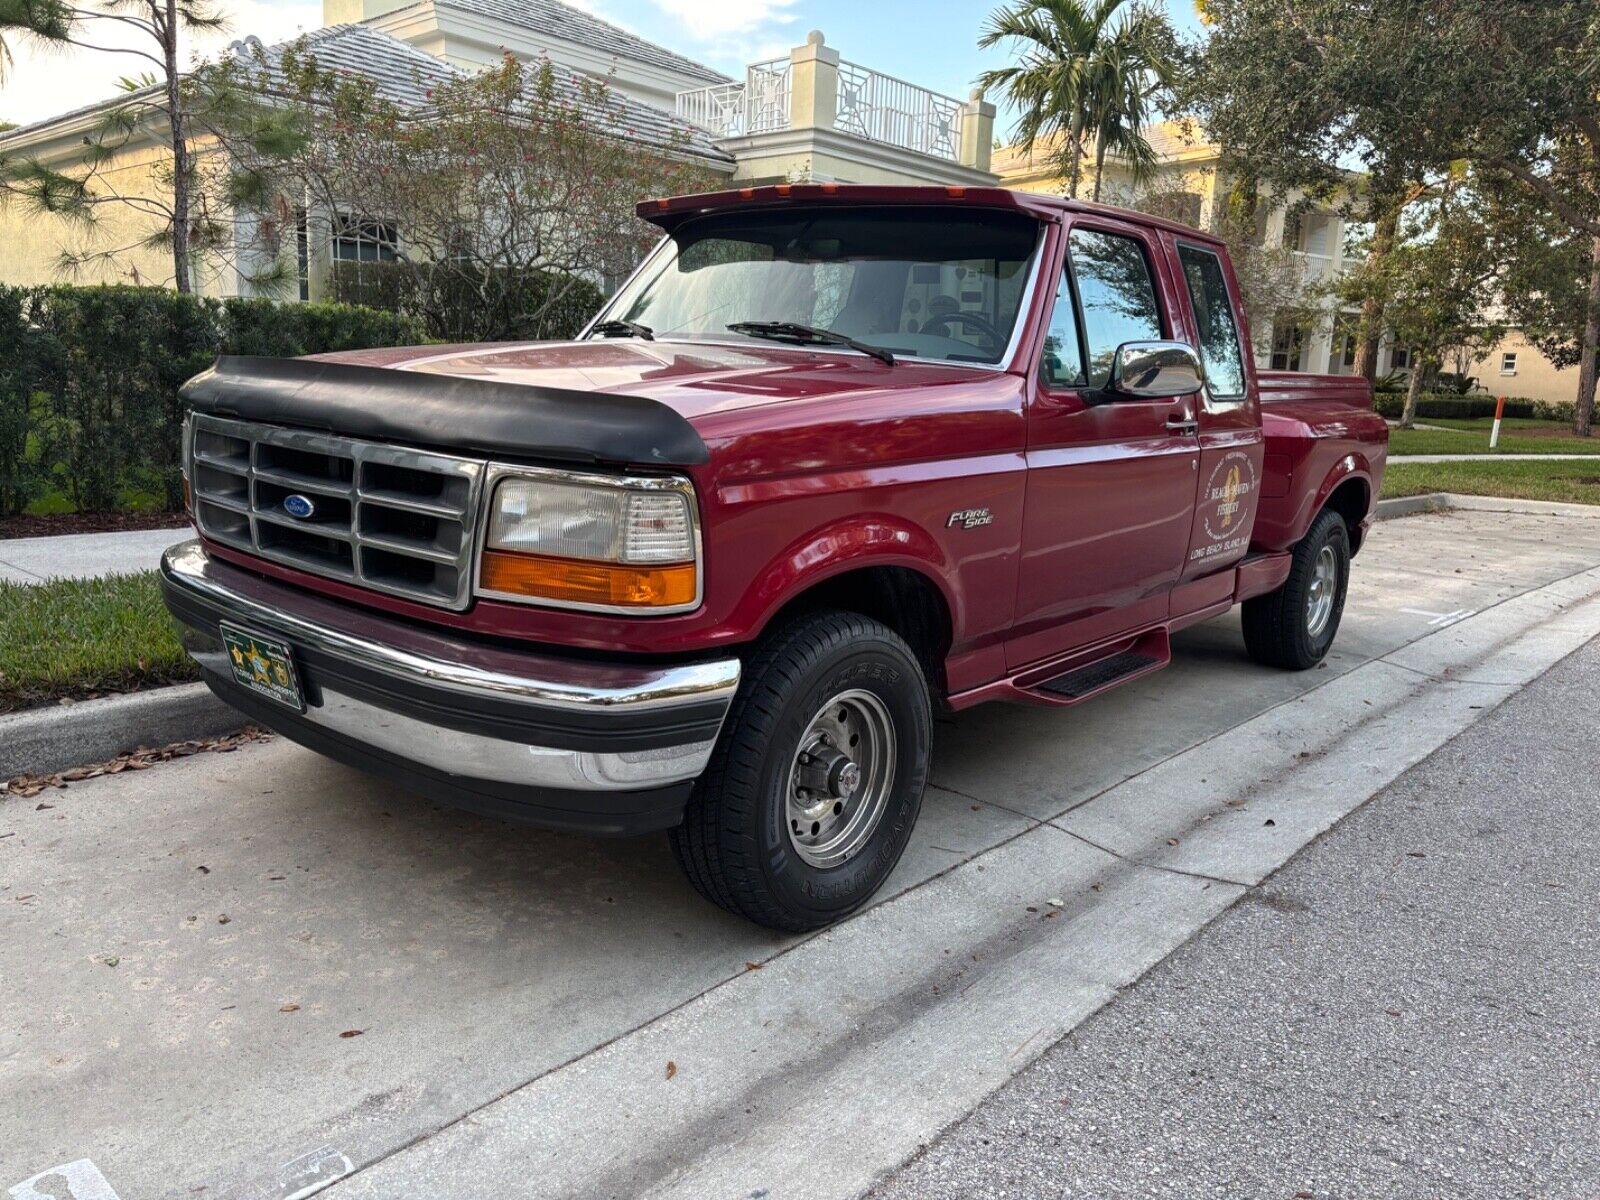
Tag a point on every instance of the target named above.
point(464, 753)
point(662, 687)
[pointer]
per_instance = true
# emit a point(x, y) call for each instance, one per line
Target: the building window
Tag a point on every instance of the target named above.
point(1287, 341)
point(360, 239)
point(1400, 360)
point(1508, 363)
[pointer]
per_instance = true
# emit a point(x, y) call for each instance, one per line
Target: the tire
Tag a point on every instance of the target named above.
point(1282, 629)
point(747, 842)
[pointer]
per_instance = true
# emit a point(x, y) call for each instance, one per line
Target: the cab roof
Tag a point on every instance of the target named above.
point(671, 212)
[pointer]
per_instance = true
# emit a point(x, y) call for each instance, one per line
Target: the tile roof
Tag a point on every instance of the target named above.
point(404, 74)
point(585, 29)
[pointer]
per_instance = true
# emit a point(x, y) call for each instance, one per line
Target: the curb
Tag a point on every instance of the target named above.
point(1410, 506)
point(44, 741)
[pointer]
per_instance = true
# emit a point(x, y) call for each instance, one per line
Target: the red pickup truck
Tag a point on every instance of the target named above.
point(834, 458)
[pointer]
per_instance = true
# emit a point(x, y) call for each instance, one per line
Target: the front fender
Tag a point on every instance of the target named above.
point(868, 540)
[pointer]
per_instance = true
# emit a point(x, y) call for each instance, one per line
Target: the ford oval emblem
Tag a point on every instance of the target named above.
point(299, 507)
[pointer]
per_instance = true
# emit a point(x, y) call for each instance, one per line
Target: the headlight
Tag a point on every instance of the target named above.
point(590, 541)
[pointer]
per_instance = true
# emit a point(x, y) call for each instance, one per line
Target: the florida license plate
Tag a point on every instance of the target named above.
point(263, 665)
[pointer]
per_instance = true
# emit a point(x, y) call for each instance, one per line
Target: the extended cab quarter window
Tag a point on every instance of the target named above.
point(1116, 294)
point(1213, 317)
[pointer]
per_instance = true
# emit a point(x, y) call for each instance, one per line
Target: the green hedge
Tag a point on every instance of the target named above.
point(89, 380)
point(1463, 408)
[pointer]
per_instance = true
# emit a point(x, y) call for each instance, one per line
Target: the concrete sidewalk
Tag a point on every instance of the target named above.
point(1406, 1009)
point(84, 555)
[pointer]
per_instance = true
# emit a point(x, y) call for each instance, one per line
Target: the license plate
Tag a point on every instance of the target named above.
point(263, 665)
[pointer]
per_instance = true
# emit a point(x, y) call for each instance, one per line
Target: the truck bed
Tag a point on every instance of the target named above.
point(1319, 430)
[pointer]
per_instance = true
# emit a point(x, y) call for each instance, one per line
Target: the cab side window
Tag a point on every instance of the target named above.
point(1117, 296)
point(1213, 316)
point(1062, 363)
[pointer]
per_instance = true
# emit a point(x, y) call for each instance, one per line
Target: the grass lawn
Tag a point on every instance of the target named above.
point(83, 637)
point(1568, 482)
point(1472, 437)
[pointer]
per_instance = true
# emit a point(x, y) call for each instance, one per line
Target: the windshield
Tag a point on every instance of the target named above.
point(940, 283)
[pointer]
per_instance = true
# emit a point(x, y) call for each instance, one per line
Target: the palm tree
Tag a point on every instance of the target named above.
point(1088, 70)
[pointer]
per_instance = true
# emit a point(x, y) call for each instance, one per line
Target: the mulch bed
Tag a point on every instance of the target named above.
point(88, 522)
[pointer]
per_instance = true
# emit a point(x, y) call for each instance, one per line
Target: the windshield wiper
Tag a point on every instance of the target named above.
point(620, 328)
point(790, 331)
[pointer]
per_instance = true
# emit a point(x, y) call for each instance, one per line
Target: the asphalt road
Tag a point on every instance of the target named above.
point(1410, 1008)
point(260, 976)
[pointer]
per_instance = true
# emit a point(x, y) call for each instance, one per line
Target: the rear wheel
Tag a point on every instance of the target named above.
point(1294, 627)
point(812, 791)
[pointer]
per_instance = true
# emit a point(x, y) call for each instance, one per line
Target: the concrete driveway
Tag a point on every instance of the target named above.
point(261, 975)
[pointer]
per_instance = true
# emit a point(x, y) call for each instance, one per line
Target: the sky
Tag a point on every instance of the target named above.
point(929, 42)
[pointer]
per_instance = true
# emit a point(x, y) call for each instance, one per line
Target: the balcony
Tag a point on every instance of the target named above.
point(814, 89)
point(758, 105)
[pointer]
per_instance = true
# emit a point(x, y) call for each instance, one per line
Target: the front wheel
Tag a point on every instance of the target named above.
point(817, 778)
point(1294, 626)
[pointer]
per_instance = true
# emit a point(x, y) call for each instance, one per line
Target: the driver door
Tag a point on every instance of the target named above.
point(1110, 482)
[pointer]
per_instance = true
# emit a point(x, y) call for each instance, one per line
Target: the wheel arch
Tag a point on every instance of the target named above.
point(906, 598)
point(1351, 497)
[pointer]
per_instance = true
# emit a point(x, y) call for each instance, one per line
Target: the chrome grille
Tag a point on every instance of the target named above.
point(389, 518)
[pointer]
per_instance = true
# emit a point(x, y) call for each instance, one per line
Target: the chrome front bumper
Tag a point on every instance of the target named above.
point(567, 742)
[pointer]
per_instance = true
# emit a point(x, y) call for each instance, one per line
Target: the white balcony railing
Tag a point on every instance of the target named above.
point(869, 105)
point(758, 105)
point(886, 109)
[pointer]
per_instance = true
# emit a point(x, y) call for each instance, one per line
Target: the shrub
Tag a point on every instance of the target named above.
point(291, 330)
point(1464, 408)
point(89, 380)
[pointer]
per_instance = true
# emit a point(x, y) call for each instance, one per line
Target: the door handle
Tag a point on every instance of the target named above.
point(1183, 424)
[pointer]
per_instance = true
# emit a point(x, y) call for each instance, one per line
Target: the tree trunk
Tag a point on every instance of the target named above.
point(181, 165)
point(1099, 166)
point(1076, 150)
point(1589, 363)
point(1408, 417)
point(1370, 328)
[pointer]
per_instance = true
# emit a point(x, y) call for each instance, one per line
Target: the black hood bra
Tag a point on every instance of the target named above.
point(487, 418)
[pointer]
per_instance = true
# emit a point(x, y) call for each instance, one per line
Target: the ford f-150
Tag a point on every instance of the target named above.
point(834, 459)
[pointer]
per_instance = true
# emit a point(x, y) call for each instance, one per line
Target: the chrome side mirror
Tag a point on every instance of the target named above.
point(1155, 371)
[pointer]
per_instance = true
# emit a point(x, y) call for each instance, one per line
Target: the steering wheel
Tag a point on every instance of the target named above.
point(985, 328)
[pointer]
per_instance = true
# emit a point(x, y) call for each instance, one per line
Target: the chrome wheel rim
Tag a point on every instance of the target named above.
point(1324, 590)
point(840, 779)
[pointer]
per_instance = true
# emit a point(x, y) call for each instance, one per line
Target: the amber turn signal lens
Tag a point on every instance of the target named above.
point(574, 581)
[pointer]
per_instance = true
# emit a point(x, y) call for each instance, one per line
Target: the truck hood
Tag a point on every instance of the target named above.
point(591, 402)
point(694, 379)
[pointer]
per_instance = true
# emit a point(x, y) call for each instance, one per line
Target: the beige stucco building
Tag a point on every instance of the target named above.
point(808, 116)
point(1516, 367)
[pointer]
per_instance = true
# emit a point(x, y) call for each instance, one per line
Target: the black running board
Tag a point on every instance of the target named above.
point(1097, 676)
point(1148, 653)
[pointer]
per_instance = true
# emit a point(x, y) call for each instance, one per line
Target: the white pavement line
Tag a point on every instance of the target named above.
point(900, 1021)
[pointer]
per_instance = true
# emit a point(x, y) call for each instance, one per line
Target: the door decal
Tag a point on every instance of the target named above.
point(1226, 506)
